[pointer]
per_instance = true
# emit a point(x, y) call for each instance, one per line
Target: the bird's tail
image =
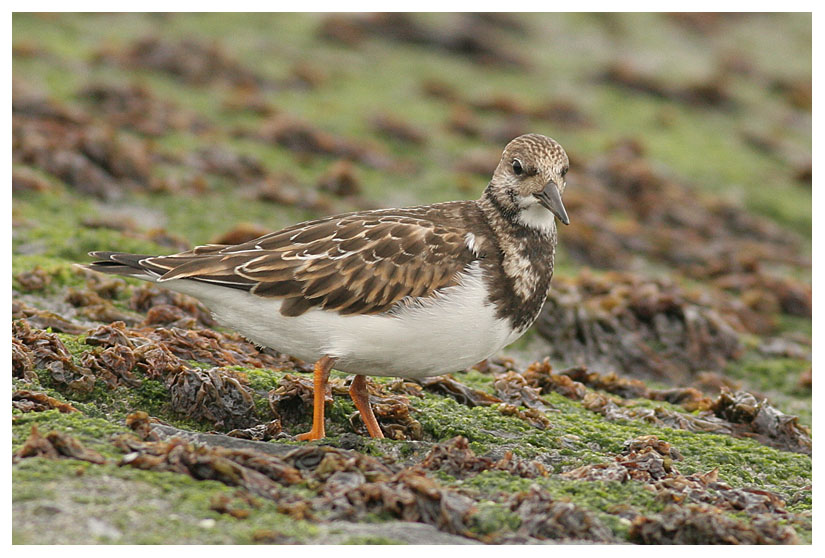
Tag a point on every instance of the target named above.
point(121, 263)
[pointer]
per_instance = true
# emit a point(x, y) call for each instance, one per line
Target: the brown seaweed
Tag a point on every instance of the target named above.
point(55, 445)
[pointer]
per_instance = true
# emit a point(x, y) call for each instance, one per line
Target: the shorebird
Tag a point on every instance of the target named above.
point(410, 292)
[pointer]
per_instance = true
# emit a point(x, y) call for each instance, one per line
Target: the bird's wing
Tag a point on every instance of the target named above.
point(356, 264)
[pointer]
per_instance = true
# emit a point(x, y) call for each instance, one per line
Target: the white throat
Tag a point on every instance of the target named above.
point(538, 217)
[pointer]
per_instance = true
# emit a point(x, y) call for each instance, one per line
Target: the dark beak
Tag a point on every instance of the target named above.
point(551, 199)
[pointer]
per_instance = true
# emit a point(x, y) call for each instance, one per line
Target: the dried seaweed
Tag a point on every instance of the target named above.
point(35, 279)
point(470, 37)
point(222, 503)
point(223, 162)
point(27, 180)
point(91, 305)
point(409, 495)
point(304, 139)
point(28, 401)
point(48, 352)
point(533, 417)
point(261, 474)
point(134, 107)
point(701, 524)
point(109, 335)
point(220, 349)
point(260, 432)
point(629, 388)
point(113, 365)
point(141, 423)
point(514, 389)
point(455, 458)
point(769, 425)
point(214, 395)
point(447, 385)
point(55, 445)
point(191, 61)
point(292, 401)
point(393, 127)
point(739, 415)
point(392, 411)
point(147, 296)
point(644, 459)
point(242, 232)
point(285, 189)
point(340, 180)
point(711, 92)
point(320, 463)
point(638, 326)
point(157, 361)
point(543, 517)
point(22, 365)
point(540, 375)
point(92, 158)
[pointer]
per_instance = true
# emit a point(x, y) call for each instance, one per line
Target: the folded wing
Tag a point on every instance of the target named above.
point(354, 265)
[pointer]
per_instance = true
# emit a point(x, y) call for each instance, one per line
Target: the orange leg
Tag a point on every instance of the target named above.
point(358, 392)
point(322, 368)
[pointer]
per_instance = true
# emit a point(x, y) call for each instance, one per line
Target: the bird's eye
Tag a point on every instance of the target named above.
point(564, 171)
point(517, 168)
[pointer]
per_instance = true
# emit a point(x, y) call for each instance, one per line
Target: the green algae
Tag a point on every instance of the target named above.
point(143, 507)
point(92, 432)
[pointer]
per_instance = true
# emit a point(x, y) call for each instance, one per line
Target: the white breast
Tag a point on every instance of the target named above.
point(444, 333)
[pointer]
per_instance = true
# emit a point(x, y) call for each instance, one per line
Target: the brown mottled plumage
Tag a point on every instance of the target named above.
point(488, 261)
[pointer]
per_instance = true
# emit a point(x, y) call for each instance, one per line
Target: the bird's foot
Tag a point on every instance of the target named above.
point(314, 434)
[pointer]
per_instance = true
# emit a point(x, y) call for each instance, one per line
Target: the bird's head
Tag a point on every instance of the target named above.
point(529, 180)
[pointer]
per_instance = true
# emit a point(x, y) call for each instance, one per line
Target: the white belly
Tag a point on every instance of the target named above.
point(445, 333)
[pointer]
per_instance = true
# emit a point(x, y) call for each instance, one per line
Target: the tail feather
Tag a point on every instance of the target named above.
point(153, 268)
point(121, 263)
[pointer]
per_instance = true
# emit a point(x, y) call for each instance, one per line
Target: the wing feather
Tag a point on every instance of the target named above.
point(353, 264)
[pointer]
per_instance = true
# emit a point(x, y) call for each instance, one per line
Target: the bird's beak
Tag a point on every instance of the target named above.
point(551, 199)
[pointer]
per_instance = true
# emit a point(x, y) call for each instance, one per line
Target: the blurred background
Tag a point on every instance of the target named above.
point(689, 137)
point(687, 262)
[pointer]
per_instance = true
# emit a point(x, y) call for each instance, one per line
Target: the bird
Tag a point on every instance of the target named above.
point(409, 292)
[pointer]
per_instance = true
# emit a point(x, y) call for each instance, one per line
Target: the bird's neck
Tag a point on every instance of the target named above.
point(506, 215)
point(524, 256)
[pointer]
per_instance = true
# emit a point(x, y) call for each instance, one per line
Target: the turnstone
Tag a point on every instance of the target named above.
point(411, 292)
